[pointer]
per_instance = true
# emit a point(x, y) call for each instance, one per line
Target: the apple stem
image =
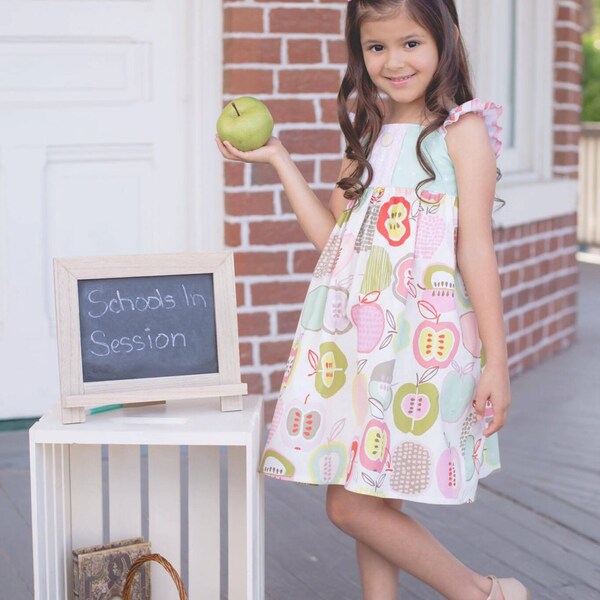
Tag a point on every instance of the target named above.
point(236, 110)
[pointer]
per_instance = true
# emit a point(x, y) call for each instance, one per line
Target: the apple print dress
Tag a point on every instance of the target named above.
point(378, 389)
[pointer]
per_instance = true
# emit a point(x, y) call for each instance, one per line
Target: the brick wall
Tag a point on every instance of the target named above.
point(292, 56)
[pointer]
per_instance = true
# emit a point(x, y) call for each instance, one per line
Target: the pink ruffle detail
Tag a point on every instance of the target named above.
point(490, 111)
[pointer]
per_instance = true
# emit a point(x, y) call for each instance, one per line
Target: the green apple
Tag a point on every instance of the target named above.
point(245, 123)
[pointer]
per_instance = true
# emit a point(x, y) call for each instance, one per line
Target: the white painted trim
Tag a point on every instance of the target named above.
point(535, 201)
point(206, 165)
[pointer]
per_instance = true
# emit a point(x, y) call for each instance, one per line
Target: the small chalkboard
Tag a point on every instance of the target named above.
point(137, 327)
point(146, 327)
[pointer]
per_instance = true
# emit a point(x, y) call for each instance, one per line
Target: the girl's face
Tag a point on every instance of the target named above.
point(397, 47)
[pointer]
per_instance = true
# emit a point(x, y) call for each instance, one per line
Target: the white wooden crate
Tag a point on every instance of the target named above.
point(76, 496)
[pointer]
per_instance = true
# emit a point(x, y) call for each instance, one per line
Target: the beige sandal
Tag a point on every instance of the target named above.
point(511, 588)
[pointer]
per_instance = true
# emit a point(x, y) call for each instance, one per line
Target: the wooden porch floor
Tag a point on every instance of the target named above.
point(537, 519)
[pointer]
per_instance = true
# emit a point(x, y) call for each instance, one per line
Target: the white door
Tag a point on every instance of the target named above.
point(92, 160)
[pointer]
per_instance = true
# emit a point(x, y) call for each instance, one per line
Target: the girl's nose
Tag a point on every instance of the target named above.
point(394, 63)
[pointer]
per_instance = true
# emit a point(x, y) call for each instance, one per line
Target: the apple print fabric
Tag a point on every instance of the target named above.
point(378, 388)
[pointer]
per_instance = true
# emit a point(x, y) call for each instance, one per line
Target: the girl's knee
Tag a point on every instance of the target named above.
point(345, 507)
point(396, 503)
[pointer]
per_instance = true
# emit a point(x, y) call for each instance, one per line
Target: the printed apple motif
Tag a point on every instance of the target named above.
point(290, 365)
point(366, 233)
point(378, 273)
point(458, 391)
point(335, 255)
point(393, 222)
point(360, 395)
point(461, 290)
point(314, 308)
point(329, 367)
point(328, 463)
point(404, 284)
point(416, 406)
point(276, 465)
point(438, 283)
point(432, 197)
point(491, 454)
point(325, 308)
point(369, 319)
point(402, 337)
point(334, 316)
point(430, 231)
point(374, 445)
point(303, 424)
point(352, 459)
point(472, 460)
point(411, 468)
point(380, 386)
point(449, 476)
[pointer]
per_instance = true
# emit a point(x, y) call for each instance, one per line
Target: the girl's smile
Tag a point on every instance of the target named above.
point(401, 58)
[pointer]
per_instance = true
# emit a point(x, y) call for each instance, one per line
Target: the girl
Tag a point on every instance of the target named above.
point(384, 397)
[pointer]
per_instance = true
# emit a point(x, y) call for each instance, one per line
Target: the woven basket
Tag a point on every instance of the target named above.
point(161, 561)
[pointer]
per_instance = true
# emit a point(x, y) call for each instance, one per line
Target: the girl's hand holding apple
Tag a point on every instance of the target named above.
point(264, 154)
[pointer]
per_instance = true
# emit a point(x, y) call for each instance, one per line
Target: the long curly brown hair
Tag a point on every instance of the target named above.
point(450, 84)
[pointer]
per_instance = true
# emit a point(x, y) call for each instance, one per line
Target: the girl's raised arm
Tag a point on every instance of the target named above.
point(315, 219)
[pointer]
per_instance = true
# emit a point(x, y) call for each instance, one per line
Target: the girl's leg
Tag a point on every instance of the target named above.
point(405, 543)
point(378, 576)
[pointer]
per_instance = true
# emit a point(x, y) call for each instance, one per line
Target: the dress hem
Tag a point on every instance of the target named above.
point(447, 501)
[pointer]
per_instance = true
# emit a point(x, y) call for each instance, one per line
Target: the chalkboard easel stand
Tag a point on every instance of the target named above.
point(229, 395)
point(166, 325)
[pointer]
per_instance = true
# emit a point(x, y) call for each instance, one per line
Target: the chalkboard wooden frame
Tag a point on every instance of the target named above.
point(77, 394)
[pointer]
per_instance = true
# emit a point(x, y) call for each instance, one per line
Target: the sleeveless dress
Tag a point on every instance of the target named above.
point(378, 390)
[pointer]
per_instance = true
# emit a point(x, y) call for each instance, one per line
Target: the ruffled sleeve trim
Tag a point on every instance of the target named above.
point(490, 112)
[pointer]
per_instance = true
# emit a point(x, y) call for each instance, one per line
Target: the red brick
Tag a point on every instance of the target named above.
point(247, 81)
point(338, 54)
point(243, 19)
point(568, 75)
point(304, 20)
point(567, 34)
point(309, 81)
point(239, 294)
point(249, 203)
point(311, 141)
point(260, 263)
point(329, 110)
point(305, 261)
point(287, 321)
point(232, 234)
point(279, 293)
point(275, 380)
point(276, 232)
point(254, 382)
point(234, 173)
point(245, 353)
point(263, 174)
point(304, 51)
point(274, 352)
point(252, 50)
point(256, 323)
point(330, 170)
point(292, 111)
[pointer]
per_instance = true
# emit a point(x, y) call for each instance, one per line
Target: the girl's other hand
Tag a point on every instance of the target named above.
point(494, 384)
point(264, 154)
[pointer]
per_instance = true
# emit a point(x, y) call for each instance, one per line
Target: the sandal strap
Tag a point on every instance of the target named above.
point(495, 587)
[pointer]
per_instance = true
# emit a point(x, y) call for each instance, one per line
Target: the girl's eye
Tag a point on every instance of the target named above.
point(380, 46)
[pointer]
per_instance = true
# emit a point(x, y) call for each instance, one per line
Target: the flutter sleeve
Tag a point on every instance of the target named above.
point(490, 112)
